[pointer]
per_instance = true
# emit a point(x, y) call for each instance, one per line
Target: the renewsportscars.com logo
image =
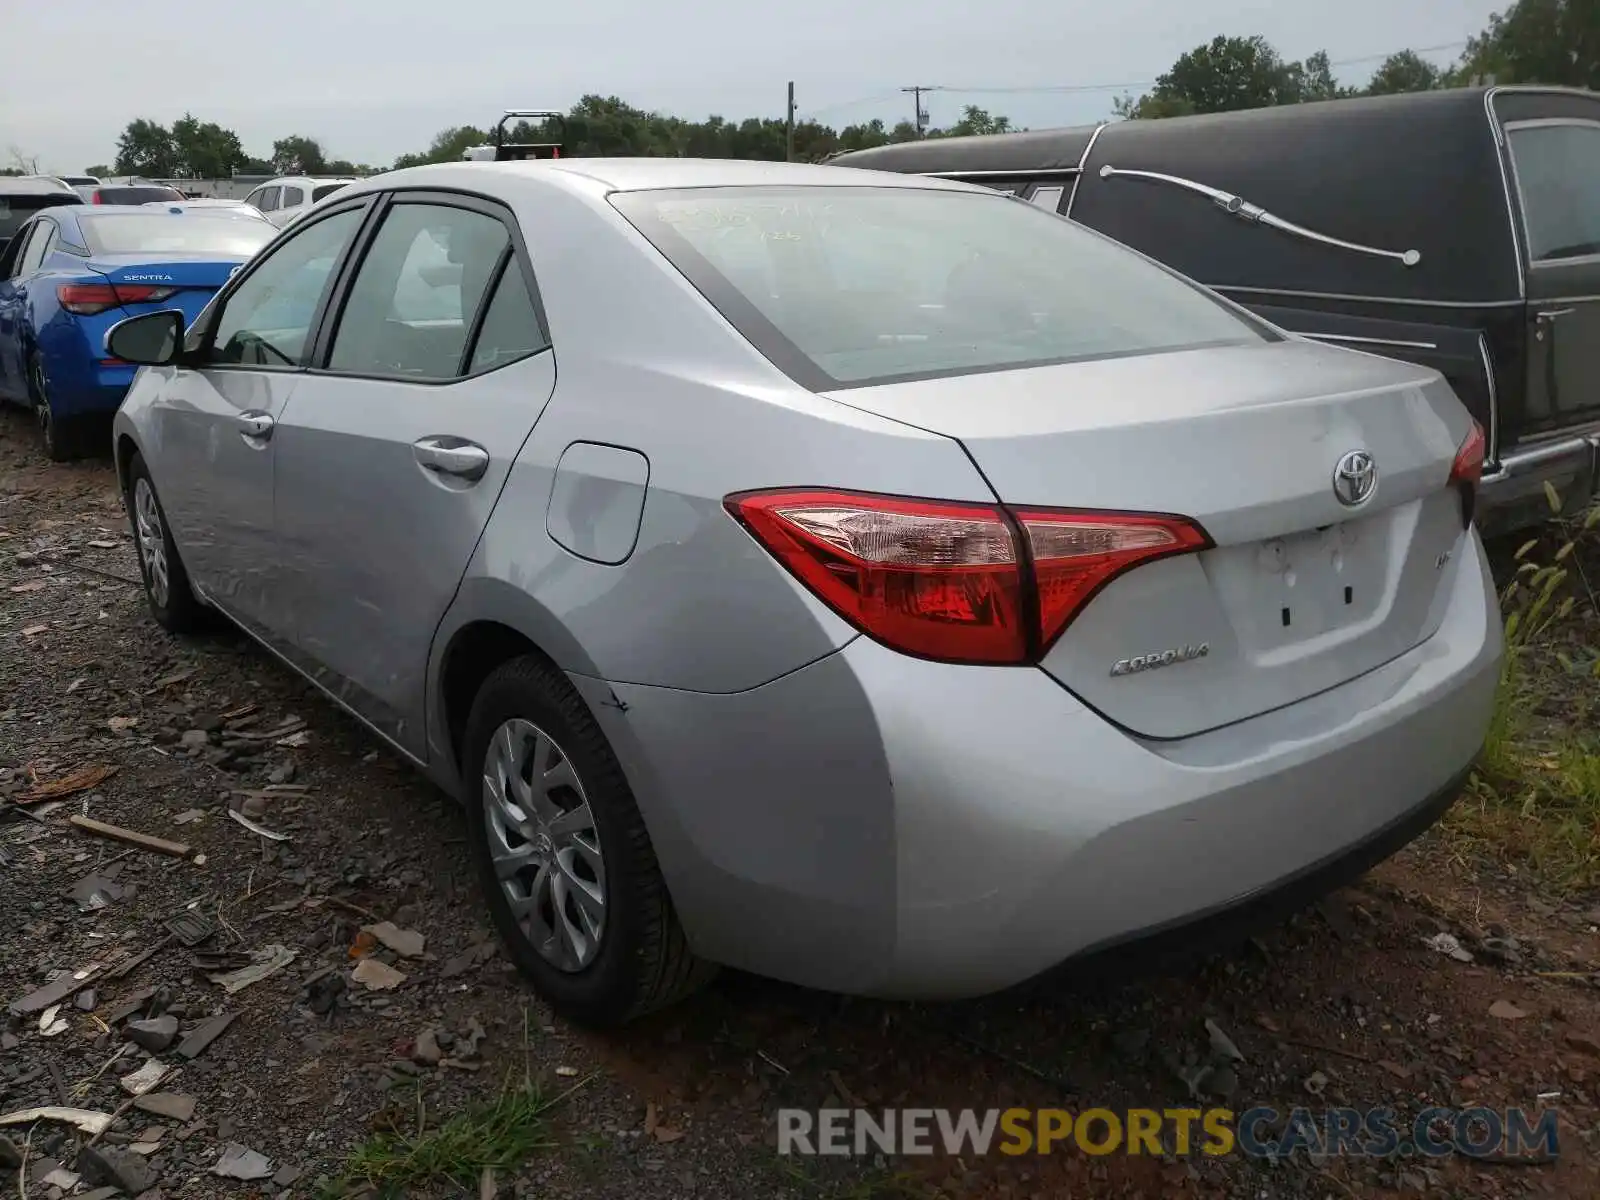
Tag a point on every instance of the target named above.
point(1256, 1132)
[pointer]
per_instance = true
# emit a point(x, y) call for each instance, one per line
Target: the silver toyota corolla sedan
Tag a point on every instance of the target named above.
point(864, 580)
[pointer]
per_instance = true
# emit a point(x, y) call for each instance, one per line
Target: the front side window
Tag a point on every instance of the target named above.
point(267, 199)
point(267, 320)
point(1558, 177)
point(418, 290)
point(852, 286)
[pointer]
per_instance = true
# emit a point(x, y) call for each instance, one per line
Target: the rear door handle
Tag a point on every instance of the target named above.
point(452, 456)
point(1550, 315)
point(255, 424)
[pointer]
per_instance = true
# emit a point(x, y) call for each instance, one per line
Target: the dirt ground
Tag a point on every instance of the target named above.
point(1346, 1004)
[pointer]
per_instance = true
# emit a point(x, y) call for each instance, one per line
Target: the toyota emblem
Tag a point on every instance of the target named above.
point(1355, 478)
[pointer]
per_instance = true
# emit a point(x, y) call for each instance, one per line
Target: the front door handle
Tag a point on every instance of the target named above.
point(452, 456)
point(255, 424)
point(1550, 315)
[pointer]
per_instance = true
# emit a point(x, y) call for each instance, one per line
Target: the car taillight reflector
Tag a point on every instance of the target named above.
point(1468, 466)
point(953, 581)
point(87, 299)
point(1074, 555)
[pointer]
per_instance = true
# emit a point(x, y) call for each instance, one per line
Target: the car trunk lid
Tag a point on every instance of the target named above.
point(186, 284)
point(1300, 592)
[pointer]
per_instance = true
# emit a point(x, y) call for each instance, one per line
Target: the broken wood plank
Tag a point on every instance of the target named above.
point(131, 837)
point(54, 992)
point(195, 1044)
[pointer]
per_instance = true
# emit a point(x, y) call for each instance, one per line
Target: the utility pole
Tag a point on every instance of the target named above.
point(788, 127)
point(916, 100)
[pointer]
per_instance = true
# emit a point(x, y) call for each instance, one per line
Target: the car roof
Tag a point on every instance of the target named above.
point(649, 174)
point(32, 185)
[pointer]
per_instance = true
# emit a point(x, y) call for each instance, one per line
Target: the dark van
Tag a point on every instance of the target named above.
point(1459, 229)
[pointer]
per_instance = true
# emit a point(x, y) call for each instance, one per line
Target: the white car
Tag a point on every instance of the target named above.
point(289, 197)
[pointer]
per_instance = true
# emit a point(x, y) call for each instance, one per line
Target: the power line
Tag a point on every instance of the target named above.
point(1085, 88)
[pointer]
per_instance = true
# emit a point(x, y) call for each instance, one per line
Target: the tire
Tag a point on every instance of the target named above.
point(639, 960)
point(166, 583)
point(61, 437)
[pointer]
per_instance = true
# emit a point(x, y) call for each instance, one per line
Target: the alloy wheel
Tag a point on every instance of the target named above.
point(152, 540)
point(544, 845)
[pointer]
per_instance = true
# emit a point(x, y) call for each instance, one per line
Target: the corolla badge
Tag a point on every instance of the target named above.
point(1158, 659)
point(1355, 478)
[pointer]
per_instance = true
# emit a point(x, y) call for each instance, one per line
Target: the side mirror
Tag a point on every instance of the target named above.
point(151, 340)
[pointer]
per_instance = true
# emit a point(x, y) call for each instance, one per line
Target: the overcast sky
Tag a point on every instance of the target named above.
point(372, 79)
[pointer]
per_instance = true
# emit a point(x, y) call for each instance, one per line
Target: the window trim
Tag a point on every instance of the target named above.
point(439, 198)
point(199, 338)
point(1511, 128)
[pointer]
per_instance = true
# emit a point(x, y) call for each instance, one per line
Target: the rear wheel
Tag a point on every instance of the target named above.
point(62, 437)
point(567, 867)
point(166, 583)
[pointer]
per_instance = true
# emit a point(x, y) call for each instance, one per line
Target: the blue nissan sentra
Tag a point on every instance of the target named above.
point(72, 272)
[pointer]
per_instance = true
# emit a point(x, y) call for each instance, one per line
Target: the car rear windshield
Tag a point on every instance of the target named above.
point(853, 286)
point(170, 233)
point(324, 190)
point(138, 195)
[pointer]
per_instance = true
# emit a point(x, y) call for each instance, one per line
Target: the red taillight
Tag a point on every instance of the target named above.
point(950, 581)
point(1468, 466)
point(87, 299)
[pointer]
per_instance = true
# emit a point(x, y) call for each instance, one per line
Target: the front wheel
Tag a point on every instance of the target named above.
point(166, 583)
point(567, 867)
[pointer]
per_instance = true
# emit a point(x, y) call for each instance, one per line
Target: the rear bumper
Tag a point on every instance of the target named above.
point(1513, 493)
point(82, 382)
point(877, 824)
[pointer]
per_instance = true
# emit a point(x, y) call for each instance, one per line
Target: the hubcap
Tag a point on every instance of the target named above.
point(152, 546)
point(544, 845)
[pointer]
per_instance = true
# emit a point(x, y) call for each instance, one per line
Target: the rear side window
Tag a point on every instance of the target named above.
point(1558, 177)
point(323, 190)
point(138, 195)
point(413, 301)
point(853, 286)
point(511, 325)
point(292, 196)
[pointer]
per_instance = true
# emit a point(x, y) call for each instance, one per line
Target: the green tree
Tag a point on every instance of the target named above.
point(1231, 73)
point(1404, 71)
point(974, 120)
point(1537, 41)
point(99, 170)
point(448, 146)
point(298, 154)
point(146, 148)
point(204, 149)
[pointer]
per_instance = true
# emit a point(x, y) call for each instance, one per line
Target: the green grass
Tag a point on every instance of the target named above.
point(500, 1135)
point(1534, 802)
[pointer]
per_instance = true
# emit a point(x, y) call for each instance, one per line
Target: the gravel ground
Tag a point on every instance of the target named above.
point(1344, 1004)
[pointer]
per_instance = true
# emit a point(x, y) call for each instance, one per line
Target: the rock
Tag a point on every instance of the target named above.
point(1130, 1042)
point(86, 1000)
point(172, 1105)
point(1587, 1042)
point(282, 773)
point(407, 943)
point(116, 1168)
point(376, 976)
point(1504, 1010)
point(240, 1162)
point(286, 1175)
point(160, 1001)
point(154, 1034)
point(427, 1049)
point(1446, 943)
point(254, 807)
point(10, 1154)
point(1221, 1044)
point(195, 739)
point(9, 1041)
